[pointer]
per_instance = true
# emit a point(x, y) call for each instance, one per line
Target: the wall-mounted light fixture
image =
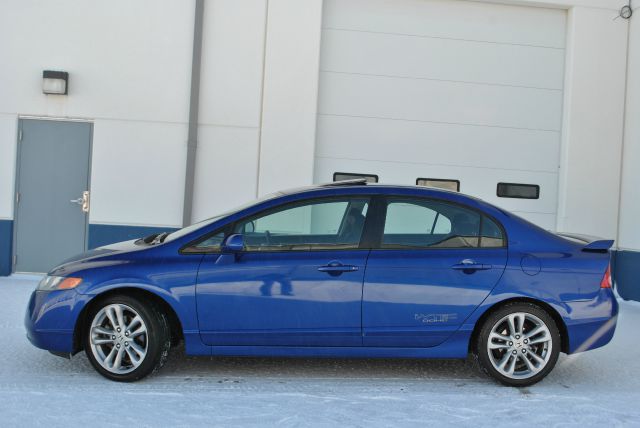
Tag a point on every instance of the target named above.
point(55, 82)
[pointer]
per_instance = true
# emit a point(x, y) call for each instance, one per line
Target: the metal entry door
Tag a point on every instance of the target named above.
point(52, 193)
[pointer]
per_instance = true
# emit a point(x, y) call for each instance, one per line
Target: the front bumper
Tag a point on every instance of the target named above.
point(51, 318)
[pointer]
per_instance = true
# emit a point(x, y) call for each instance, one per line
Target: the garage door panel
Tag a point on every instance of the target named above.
point(435, 143)
point(439, 101)
point(459, 90)
point(450, 19)
point(474, 181)
point(440, 59)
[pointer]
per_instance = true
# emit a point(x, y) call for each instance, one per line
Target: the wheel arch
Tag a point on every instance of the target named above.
point(175, 325)
point(562, 327)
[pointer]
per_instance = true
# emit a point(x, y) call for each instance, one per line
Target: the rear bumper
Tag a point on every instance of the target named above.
point(50, 320)
point(591, 323)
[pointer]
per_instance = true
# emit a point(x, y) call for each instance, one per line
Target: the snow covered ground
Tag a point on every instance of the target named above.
point(597, 388)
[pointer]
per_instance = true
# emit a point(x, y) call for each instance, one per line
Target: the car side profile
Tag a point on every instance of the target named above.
point(345, 269)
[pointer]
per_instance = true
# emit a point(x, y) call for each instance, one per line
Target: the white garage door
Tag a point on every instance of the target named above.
point(456, 90)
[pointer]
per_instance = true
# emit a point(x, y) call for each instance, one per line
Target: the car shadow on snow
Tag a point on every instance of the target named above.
point(181, 367)
point(180, 364)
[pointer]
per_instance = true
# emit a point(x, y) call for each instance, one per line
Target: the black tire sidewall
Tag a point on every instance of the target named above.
point(158, 337)
point(481, 353)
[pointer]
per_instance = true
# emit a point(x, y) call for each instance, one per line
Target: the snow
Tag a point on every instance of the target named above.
point(600, 387)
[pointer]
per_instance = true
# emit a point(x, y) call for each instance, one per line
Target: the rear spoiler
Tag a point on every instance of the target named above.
point(593, 244)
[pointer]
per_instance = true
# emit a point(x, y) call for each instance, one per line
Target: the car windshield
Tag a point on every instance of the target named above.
point(188, 229)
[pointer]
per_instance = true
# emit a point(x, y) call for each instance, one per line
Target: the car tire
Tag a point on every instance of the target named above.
point(126, 339)
point(518, 344)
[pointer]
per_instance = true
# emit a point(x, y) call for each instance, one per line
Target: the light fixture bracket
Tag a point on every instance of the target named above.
point(55, 82)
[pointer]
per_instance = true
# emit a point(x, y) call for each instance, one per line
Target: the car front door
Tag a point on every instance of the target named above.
point(435, 263)
point(298, 282)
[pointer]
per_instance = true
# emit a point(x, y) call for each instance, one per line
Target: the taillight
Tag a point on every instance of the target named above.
point(606, 279)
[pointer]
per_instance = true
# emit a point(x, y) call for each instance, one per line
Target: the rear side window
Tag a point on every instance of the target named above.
point(491, 235)
point(434, 224)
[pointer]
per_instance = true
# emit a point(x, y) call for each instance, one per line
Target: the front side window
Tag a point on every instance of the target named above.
point(434, 224)
point(320, 224)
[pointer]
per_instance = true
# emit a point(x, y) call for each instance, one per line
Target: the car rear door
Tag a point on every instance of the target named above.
point(435, 262)
point(297, 283)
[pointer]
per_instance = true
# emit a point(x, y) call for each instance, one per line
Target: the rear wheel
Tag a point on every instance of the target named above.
point(125, 339)
point(518, 345)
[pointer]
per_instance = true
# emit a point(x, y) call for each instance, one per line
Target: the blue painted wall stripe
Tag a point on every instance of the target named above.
point(105, 234)
point(6, 239)
point(626, 274)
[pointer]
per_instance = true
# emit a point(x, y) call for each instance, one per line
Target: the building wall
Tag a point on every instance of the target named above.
point(130, 66)
point(415, 89)
point(627, 269)
point(592, 126)
point(290, 101)
point(230, 105)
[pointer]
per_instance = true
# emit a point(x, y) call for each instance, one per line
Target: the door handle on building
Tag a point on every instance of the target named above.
point(84, 201)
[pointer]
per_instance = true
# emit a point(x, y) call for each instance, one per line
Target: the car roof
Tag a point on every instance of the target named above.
point(361, 183)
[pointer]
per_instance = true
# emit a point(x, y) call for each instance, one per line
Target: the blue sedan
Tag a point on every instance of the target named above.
point(345, 269)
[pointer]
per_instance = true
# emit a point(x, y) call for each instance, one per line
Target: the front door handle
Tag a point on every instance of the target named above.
point(336, 268)
point(470, 266)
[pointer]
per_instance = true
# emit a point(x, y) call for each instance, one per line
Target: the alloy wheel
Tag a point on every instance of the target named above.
point(118, 338)
point(519, 345)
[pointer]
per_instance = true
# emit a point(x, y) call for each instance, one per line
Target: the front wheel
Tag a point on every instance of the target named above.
point(518, 345)
point(126, 339)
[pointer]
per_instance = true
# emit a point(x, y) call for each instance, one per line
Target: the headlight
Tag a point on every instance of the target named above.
point(51, 282)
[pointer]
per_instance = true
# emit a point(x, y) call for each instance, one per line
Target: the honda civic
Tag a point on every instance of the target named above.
point(345, 269)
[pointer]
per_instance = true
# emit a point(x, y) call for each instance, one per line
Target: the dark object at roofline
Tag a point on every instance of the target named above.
point(354, 182)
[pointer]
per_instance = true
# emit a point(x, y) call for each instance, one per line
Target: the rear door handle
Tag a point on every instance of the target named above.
point(336, 268)
point(470, 266)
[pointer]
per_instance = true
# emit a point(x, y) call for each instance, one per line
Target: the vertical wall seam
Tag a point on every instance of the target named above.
point(624, 135)
point(315, 129)
point(567, 87)
point(194, 101)
point(264, 67)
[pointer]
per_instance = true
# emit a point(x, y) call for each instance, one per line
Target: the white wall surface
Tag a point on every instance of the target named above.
point(440, 89)
point(138, 171)
point(230, 105)
point(226, 169)
point(290, 94)
point(629, 233)
point(593, 122)
point(129, 65)
point(8, 135)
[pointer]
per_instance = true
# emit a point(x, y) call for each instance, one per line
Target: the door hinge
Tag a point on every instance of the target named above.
point(20, 135)
point(17, 197)
point(15, 259)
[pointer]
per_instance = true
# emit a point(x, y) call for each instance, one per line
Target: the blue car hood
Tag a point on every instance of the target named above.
point(100, 256)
